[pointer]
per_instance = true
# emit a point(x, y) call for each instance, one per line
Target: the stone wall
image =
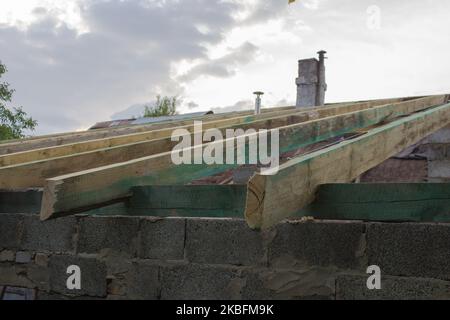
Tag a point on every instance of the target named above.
point(193, 258)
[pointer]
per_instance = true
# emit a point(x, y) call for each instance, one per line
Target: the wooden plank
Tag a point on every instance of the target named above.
point(23, 201)
point(48, 141)
point(33, 174)
point(8, 146)
point(74, 137)
point(271, 198)
point(126, 129)
point(189, 200)
point(102, 185)
point(415, 202)
point(281, 119)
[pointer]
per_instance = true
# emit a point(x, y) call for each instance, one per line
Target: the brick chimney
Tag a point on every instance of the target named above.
point(311, 85)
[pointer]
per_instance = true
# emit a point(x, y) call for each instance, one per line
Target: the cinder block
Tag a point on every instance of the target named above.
point(7, 256)
point(410, 249)
point(40, 276)
point(143, 281)
point(439, 169)
point(270, 284)
point(23, 257)
point(318, 243)
point(41, 259)
point(116, 286)
point(354, 287)
point(182, 282)
point(116, 233)
point(223, 241)
point(162, 238)
point(14, 293)
point(93, 275)
point(10, 230)
point(52, 235)
point(15, 275)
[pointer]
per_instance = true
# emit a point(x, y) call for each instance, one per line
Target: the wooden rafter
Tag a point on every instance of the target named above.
point(80, 136)
point(271, 198)
point(81, 190)
point(33, 174)
point(64, 144)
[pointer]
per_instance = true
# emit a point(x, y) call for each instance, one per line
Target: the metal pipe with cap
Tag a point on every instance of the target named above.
point(258, 101)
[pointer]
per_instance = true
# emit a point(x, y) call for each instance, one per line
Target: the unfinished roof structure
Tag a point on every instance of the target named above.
point(113, 202)
point(128, 170)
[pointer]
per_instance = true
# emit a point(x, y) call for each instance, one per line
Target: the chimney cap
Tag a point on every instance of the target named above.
point(258, 93)
point(321, 54)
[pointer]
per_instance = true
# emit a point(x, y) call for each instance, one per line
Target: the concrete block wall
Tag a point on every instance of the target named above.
point(194, 258)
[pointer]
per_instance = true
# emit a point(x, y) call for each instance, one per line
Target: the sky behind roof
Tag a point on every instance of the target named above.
point(77, 62)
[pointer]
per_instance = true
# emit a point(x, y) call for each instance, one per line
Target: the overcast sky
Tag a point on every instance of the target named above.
point(77, 62)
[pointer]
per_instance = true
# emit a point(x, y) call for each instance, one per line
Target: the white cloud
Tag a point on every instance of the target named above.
point(74, 66)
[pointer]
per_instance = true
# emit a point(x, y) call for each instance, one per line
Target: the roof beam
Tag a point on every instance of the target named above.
point(190, 200)
point(271, 198)
point(413, 202)
point(289, 116)
point(96, 187)
point(55, 140)
point(12, 146)
point(33, 174)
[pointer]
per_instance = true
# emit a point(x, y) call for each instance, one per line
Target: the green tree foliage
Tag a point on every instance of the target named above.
point(13, 122)
point(165, 106)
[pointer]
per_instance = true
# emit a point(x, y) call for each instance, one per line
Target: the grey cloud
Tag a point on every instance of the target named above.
point(192, 105)
point(224, 66)
point(67, 81)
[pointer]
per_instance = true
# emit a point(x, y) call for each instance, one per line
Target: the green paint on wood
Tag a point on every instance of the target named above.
point(189, 200)
point(291, 138)
point(419, 202)
point(28, 201)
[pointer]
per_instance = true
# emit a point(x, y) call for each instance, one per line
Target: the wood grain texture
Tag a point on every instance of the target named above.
point(33, 174)
point(272, 198)
point(101, 185)
point(188, 201)
point(100, 144)
point(414, 202)
point(37, 142)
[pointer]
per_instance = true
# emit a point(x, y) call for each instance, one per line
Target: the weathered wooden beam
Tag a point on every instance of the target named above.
point(271, 198)
point(102, 185)
point(23, 201)
point(280, 119)
point(33, 174)
point(403, 202)
point(44, 143)
point(63, 149)
point(188, 200)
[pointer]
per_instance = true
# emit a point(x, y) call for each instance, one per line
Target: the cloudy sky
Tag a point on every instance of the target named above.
point(77, 62)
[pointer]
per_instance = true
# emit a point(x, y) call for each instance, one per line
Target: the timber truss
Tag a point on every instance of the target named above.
point(129, 171)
